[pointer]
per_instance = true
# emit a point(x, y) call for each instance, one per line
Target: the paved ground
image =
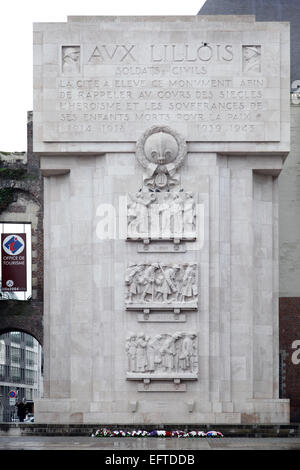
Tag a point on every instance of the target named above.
point(135, 444)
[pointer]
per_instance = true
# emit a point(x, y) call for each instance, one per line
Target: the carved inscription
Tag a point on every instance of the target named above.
point(159, 286)
point(110, 106)
point(162, 355)
point(127, 87)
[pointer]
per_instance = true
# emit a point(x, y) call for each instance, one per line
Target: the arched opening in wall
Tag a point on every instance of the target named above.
point(21, 376)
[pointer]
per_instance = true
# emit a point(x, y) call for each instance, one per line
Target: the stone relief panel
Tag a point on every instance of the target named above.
point(161, 286)
point(164, 355)
point(161, 151)
point(70, 59)
point(161, 216)
point(251, 59)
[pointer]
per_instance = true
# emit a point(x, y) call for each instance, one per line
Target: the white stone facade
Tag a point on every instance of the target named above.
point(211, 297)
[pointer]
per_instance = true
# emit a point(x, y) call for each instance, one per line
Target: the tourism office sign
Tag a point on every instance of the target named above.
point(13, 262)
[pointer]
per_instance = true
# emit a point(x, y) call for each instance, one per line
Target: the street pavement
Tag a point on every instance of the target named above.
point(15, 443)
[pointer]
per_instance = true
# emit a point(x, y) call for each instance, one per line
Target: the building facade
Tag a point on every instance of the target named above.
point(20, 372)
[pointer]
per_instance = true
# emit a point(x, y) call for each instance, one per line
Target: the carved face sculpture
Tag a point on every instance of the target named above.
point(251, 58)
point(71, 59)
point(251, 52)
point(71, 54)
point(161, 148)
point(177, 335)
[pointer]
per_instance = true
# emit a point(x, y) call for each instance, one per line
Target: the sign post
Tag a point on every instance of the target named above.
point(12, 397)
point(13, 262)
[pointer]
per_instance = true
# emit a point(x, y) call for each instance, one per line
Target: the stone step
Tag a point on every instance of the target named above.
point(252, 430)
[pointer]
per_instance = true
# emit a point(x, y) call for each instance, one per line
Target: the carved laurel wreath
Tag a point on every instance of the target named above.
point(182, 147)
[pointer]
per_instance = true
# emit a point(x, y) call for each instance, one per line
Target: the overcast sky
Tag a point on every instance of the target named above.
point(16, 48)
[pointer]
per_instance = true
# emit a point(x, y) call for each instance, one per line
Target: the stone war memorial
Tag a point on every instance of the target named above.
point(160, 141)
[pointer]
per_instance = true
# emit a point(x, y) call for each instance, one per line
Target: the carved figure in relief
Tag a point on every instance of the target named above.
point(161, 215)
point(189, 214)
point(165, 281)
point(132, 280)
point(187, 352)
point(165, 215)
point(188, 287)
point(177, 214)
point(153, 352)
point(141, 357)
point(162, 353)
point(168, 352)
point(161, 151)
point(70, 59)
point(131, 349)
point(148, 282)
point(161, 283)
point(251, 58)
point(138, 214)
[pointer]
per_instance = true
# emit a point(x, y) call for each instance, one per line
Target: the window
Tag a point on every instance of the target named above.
point(30, 376)
point(15, 355)
point(2, 372)
point(15, 374)
point(28, 393)
point(30, 358)
point(15, 337)
point(29, 341)
point(2, 352)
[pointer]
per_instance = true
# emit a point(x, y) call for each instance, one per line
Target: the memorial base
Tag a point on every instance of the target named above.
point(161, 411)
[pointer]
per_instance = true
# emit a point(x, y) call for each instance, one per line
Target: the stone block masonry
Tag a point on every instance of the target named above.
point(187, 106)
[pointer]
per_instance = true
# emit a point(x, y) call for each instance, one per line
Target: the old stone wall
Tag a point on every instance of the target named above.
point(21, 200)
point(195, 313)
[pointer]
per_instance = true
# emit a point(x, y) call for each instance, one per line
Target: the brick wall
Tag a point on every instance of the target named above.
point(26, 206)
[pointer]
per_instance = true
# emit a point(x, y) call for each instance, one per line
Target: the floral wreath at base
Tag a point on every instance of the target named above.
point(156, 433)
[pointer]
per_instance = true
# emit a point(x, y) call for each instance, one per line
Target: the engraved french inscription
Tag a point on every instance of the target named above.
point(107, 88)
